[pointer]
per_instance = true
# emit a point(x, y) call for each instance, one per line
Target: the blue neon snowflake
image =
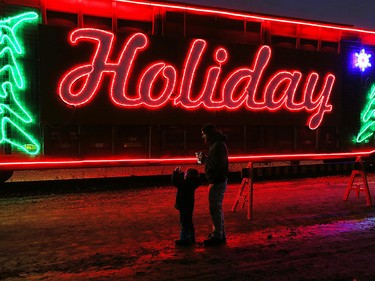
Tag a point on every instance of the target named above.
point(362, 60)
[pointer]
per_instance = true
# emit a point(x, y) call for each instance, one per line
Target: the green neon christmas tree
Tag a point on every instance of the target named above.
point(367, 118)
point(14, 116)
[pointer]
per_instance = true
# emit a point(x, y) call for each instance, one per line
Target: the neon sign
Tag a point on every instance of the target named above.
point(362, 60)
point(239, 88)
point(13, 114)
point(368, 118)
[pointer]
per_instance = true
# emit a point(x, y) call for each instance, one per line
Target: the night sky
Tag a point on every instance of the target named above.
point(357, 13)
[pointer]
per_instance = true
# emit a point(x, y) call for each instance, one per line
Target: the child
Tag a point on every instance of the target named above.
point(186, 184)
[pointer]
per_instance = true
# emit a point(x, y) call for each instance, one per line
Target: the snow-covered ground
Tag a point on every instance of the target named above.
point(301, 229)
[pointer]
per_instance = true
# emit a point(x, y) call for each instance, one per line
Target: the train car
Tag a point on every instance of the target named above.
point(86, 82)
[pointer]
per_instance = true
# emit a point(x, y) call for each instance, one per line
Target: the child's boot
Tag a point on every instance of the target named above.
point(185, 239)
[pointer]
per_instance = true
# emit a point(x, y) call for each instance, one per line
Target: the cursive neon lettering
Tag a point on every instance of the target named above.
point(286, 81)
point(238, 88)
point(321, 102)
point(212, 79)
point(189, 69)
point(148, 79)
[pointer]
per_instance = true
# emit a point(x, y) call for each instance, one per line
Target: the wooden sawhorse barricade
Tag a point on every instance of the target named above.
point(246, 191)
point(359, 171)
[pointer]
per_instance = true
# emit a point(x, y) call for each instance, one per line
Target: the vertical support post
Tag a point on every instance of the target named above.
point(79, 129)
point(149, 141)
point(251, 191)
point(113, 145)
point(185, 139)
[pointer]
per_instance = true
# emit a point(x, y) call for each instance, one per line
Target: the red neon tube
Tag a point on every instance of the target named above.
point(242, 15)
point(59, 163)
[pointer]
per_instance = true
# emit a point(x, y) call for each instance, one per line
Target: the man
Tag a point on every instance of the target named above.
point(216, 171)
